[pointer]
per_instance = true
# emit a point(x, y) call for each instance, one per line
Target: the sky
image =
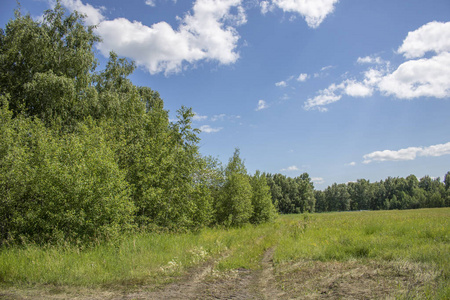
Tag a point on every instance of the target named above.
point(340, 89)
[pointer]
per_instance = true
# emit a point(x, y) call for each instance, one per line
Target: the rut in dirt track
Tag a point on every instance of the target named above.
point(238, 284)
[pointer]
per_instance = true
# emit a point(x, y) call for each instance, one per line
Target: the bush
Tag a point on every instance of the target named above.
point(59, 188)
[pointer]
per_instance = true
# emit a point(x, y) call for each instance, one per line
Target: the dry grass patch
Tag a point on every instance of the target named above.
point(353, 279)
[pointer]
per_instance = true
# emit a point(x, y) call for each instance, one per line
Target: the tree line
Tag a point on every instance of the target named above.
point(86, 155)
point(392, 193)
point(297, 195)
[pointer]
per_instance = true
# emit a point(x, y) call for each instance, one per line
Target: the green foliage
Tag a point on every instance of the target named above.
point(234, 202)
point(292, 195)
point(392, 193)
point(86, 155)
point(59, 188)
point(447, 181)
point(45, 66)
point(263, 209)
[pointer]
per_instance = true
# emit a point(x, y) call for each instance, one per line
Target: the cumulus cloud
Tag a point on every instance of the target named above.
point(281, 84)
point(408, 153)
point(302, 77)
point(290, 169)
point(150, 3)
point(419, 77)
point(349, 87)
point(93, 15)
point(209, 129)
point(433, 36)
point(357, 89)
point(314, 11)
point(261, 105)
point(207, 33)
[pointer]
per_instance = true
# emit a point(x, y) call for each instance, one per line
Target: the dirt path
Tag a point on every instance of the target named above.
point(301, 280)
point(265, 280)
point(204, 283)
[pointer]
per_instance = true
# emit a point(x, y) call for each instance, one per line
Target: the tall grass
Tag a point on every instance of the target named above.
point(416, 236)
point(136, 259)
point(411, 236)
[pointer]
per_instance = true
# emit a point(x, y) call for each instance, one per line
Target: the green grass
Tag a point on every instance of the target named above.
point(414, 236)
point(136, 259)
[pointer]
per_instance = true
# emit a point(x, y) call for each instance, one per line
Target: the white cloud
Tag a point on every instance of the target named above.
point(281, 84)
point(349, 87)
point(218, 117)
point(150, 2)
point(318, 180)
point(357, 89)
point(209, 129)
point(433, 36)
point(207, 33)
point(424, 77)
point(261, 105)
point(198, 118)
point(325, 97)
point(436, 150)
point(407, 154)
point(427, 77)
point(93, 15)
point(302, 77)
point(290, 169)
point(314, 11)
point(370, 60)
point(266, 7)
point(352, 164)
point(326, 68)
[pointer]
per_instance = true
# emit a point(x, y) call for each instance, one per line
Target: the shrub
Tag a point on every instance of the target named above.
point(59, 188)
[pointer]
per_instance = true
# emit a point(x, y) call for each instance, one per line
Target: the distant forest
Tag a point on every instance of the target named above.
point(85, 155)
point(297, 195)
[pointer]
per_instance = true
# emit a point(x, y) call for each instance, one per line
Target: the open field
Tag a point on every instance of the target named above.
point(354, 255)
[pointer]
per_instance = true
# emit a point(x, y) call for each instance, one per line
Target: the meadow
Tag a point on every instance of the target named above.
point(359, 255)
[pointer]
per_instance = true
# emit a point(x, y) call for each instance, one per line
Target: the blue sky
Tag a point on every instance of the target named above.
point(341, 90)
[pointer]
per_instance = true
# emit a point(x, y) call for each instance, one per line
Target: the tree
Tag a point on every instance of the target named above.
point(46, 67)
point(47, 71)
point(338, 197)
point(306, 193)
point(447, 181)
point(234, 204)
point(321, 203)
point(263, 209)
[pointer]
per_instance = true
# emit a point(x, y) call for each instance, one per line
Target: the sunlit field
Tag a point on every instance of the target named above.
point(409, 247)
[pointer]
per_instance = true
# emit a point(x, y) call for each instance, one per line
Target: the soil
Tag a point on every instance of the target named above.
point(303, 280)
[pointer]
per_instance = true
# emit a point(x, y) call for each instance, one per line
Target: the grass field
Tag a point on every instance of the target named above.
point(359, 255)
